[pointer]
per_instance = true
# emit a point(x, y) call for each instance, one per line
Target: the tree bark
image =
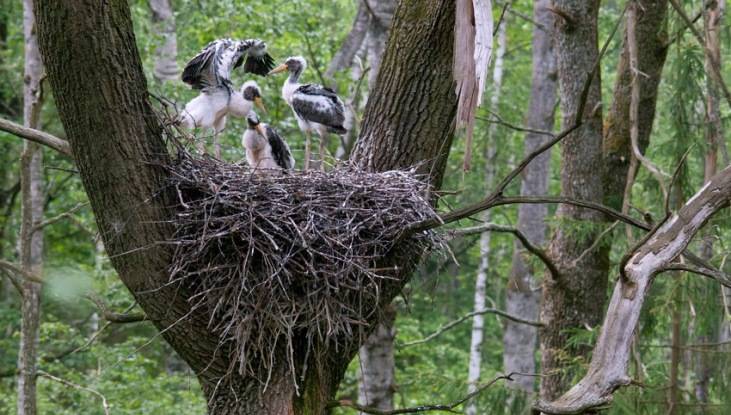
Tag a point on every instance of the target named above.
point(32, 203)
point(377, 384)
point(166, 52)
point(117, 144)
point(575, 299)
point(522, 298)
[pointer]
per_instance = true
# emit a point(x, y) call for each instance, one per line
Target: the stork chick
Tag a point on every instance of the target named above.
point(210, 72)
point(266, 151)
point(316, 107)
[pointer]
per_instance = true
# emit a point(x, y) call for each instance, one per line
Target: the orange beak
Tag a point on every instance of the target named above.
point(278, 69)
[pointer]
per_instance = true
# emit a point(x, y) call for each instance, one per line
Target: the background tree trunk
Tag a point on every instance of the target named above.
point(378, 34)
point(376, 384)
point(32, 203)
point(478, 321)
point(163, 22)
point(118, 148)
point(576, 299)
point(522, 298)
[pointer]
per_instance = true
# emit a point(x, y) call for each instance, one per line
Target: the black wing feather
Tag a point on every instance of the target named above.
point(332, 115)
point(259, 65)
point(195, 71)
point(280, 150)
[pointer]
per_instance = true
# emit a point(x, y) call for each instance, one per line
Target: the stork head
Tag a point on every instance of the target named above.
point(251, 92)
point(295, 65)
point(253, 120)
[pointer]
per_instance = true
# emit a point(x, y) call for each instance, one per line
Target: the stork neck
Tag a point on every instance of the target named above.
point(294, 76)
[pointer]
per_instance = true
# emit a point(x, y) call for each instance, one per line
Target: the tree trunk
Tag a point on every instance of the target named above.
point(376, 386)
point(166, 52)
point(575, 300)
point(352, 43)
point(119, 151)
point(377, 35)
point(522, 299)
point(478, 321)
point(32, 200)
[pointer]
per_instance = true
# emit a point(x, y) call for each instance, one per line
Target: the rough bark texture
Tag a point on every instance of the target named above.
point(575, 300)
point(608, 368)
point(32, 203)
point(117, 145)
point(651, 34)
point(377, 385)
point(522, 298)
point(163, 19)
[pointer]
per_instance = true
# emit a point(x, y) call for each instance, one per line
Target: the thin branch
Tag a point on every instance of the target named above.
point(105, 404)
point(715, 65)
point(17, 270)
point(468, 316)
point(500, 121)
point(717, 276)
point(50, 221)
point(490, 200)
point(596, 242)
point(491, 227)
point(17, 283)
point(346, 403)
point(37, 136)
point(113, 317)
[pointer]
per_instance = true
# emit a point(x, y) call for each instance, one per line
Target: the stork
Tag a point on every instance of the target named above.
point(316, 107)
point(266, 151)
point(210, 72)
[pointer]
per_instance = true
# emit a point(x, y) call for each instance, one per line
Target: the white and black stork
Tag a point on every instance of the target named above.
point(210, 72)
point(266, 151)
point(316, 107)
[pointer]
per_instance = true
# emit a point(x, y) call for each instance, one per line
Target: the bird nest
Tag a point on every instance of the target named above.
point(272, 258)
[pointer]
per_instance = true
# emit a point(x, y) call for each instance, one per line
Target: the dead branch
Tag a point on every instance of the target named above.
point(17, 270)
point(346, 403)
point(64, 382)
point(608, 369)
point(491, 227)
point(37, 136)
point(113, 317)
point(717, 276)
point(50, 221)
point(467, 316)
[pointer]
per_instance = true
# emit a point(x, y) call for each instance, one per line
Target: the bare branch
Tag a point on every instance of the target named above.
point(608, 368)
point(113, 317)
point(105, 404)
point(50, 221)
point(717, 276)
point(17, 270)
point(467, 316)
point(491, 227)
point(346, 403)
point(37, 136)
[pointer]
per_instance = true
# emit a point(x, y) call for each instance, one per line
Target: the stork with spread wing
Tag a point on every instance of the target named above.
point(210, 72)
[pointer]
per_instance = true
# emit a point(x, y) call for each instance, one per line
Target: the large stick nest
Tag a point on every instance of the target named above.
point(295, 255)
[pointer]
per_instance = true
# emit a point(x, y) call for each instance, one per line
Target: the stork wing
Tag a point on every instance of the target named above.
point(316, 103)
point(199, 71)
point(280, 149)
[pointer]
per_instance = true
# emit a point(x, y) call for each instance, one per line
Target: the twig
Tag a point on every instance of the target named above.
point(426, 408)
point(105, 404)
point(491, 227)
point(37, 136)
point(596, 242)
point(64, 215)
point(467, 316)
point(113, 317)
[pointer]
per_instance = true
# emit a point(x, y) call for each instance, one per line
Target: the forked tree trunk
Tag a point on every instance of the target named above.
point(522, 299)
point(32, 201)
point(118, 149)
point(576, 299)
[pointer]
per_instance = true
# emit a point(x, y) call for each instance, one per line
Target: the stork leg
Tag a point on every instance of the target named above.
point(308, 149)
point(217, 128)
point(323, 148)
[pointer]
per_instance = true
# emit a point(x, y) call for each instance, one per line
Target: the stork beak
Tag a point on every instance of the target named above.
point(278, 69)
point(260, 129)
point(260, 104)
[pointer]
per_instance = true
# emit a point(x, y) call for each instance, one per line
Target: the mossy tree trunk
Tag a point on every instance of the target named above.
point(88, 47)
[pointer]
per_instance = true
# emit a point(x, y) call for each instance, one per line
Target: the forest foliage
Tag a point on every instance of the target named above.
point(137, 372)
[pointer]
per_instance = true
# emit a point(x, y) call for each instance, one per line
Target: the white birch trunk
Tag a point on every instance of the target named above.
point(478, 322)
point(32, 200)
